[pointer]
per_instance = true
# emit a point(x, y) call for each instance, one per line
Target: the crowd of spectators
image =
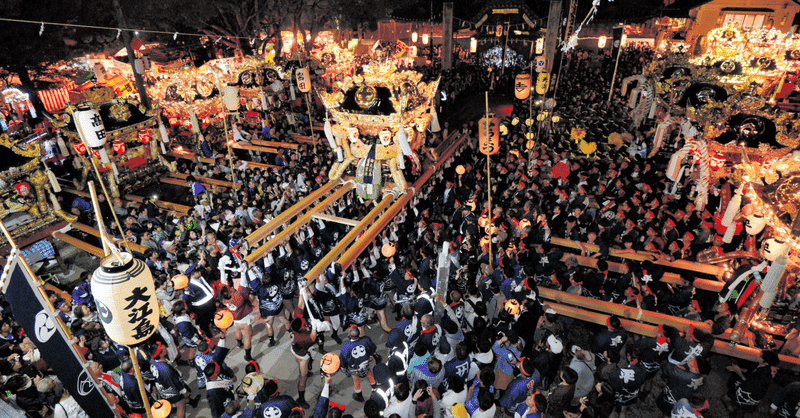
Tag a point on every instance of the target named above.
point(499, 349)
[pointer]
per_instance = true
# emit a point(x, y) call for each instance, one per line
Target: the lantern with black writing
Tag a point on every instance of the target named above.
point(543, 83)
point(303, 79)
point(125, 296)
point(91, 128)
point(489, 135)
point(522, 86)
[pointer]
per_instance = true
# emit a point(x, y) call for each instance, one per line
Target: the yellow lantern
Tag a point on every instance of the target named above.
point(125, 296)
point(303, 79)
point(483, 220)
point(414, 37)
point(543, 83)
point(529, 135)
point(460, 170)
point(530, 144)
point(489, 135)
point(512, 307)
point(601, 42)
point(161, 409)
point(556, 119)
point(388, 249)
point(528, 122)
point(503, 130)
point(522, 86)
point(329, 363)
point(540, 117)
point(473, 45)
point(223, 319)
point(499, 30)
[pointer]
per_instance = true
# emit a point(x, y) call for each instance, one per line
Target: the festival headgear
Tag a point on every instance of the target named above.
point(522, 367)
point(696, 305)
point(234, 242)
point(337, 406)
point(158, 349)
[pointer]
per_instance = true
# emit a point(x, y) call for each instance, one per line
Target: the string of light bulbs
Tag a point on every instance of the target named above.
point(75, 25)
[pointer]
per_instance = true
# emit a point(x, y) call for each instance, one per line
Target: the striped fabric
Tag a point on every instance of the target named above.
point(56, 99)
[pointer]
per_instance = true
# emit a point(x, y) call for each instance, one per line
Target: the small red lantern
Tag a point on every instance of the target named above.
point(144, 137)
point(79, 148)
point(96, 153)
point(187, 124)
point(173, 121)
point(119, 147)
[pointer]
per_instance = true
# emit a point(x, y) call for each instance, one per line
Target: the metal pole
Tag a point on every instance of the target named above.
point(489, 181)
point(138, 372)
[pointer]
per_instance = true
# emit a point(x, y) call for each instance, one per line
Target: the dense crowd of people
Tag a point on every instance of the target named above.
point(498, 349)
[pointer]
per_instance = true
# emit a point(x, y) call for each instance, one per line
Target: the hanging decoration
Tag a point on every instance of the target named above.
point(489, 135)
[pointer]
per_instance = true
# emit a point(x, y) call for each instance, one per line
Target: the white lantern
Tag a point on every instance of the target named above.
point(601, 42)
point(90, 127)
point(126, 299)
point(138, 65)
point(774, 248)
point(755, 224)
point(473, 45)
point(100, 72)
point(303, 79)
point(425, 38)
point(414, 37)
point(539, 46)
point(231, 98)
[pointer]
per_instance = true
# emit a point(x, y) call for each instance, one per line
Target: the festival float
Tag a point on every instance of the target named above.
point(27, 186)
point(719, 112)
point(381, 115)
point(122, 141)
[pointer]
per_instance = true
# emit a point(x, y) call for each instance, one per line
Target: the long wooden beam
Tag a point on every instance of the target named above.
point(265, 248)
point(274, 144)
point(640, 256)
point(670, 278)
point(720, 346)
point(266, 230)
point(254, 148)
point(133, 198)
point(93, 231)
point(337, 219)
point(81, 245)
point(376, 213)
point(179, 179)
point(183, 209)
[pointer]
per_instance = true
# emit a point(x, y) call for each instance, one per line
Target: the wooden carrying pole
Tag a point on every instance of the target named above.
point(489, 181)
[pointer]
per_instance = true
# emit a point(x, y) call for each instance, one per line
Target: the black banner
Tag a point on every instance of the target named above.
point(617, 41)
point(41, 324)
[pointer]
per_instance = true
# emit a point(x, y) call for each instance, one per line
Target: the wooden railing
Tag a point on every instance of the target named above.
point(133, 198)
point(646, 322)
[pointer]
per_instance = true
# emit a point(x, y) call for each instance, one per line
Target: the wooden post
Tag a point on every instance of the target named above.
point(138, 372)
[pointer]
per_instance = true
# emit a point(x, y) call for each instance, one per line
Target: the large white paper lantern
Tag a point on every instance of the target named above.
point(231, 98)
point(774, 248)
point(91, 128)
point(126, 299)
point(303, 79)
point(755, 224)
